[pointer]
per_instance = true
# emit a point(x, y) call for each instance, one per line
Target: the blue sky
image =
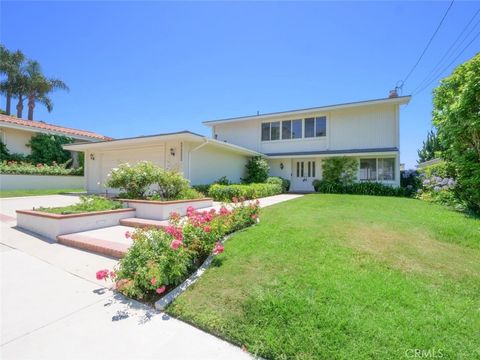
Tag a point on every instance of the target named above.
point(137, 68)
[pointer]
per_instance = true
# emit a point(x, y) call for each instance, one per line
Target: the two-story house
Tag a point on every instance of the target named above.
point(294, 142)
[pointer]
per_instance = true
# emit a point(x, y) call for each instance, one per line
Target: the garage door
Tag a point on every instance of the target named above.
point(112, 159)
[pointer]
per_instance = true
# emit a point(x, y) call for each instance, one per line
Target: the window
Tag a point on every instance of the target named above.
point(316, 127)
point(286, 129)
point(320, 126)
point(309, 127)
point(296, 129)
point(368, 169)
point(265, 131)
point(386, 169)
point(275, 130)
point(382, 169)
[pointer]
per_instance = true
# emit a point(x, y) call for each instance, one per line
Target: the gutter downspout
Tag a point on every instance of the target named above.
point(190, 156)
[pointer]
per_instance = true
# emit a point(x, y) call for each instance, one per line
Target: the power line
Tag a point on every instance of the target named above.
point(448, 66)
point(428, 44)
point(449, 52)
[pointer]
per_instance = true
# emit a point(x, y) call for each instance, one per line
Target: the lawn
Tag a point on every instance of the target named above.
point(346, 277)
point(16, 193)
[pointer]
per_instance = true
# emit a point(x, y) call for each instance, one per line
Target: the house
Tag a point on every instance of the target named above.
point(295, 143)
point(15, 133)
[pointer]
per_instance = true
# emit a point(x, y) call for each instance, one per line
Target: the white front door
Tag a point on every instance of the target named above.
point(304, 171)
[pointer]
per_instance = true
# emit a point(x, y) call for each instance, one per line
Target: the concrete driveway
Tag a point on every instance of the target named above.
point(52, 307)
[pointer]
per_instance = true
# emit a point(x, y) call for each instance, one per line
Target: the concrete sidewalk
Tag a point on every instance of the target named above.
point(52, 307)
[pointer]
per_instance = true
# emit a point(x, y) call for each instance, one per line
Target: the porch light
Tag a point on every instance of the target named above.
point(92, 156)
point(172, 151)
point(281, 165)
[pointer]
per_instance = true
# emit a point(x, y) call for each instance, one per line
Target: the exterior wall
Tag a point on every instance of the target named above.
point(14, 182)
point(366, 127)
point(98, 168)
point(209, 163)
point(275, 169)
point(16, 140)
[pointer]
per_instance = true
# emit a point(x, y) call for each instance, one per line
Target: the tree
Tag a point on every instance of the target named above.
point(431, 148)
point(48, 148)
point(11, 67)
point(339, 170)
point(456, 116)
point(257, 170)
point(38, 87)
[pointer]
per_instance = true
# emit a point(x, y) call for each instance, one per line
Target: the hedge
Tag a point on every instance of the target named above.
point(250, 191)
point(361, 188)
point(20, 168)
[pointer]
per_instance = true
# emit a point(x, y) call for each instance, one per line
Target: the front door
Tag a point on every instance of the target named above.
point(303, 174)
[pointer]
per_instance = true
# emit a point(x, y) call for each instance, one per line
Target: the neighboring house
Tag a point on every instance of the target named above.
point(294, 142)
point(15, 133)
point(429, 162)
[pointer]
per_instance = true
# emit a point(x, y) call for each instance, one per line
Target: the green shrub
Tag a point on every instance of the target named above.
point(171, 184)
point(222, 181)
point(22, 168)
point(361, 188)
point(160, 259)
point(133, 180)
point(87, 204)
point(246, 191)
point(257, 170)
point(339, 170)
point(205, 187)
point(202, 188)
point(284, 183)
point(5, 154)
point(47, 149)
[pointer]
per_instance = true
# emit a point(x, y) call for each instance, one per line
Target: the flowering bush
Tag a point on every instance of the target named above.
point(160, 259)
point(24, 168)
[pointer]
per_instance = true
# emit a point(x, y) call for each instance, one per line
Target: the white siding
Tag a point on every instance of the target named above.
point(209, 163)
point(364, 127)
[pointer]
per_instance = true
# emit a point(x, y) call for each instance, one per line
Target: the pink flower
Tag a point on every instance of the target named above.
point(161, 290)
point(190, 210)
point(257, 202)
point(175, 244)
point(207, 229)
point(174, 216)
point(128, 235)
point(153, 281)
point(218, 249)
point(213, 211)
point(254, 216)
point(113, 275)
point(176, 232)
point(223, 210)
point(102, 274)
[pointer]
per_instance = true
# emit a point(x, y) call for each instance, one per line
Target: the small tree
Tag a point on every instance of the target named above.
point(340, 170)
point(257, 170)
point(171, 184)
point(133, 180)
point(48, 148)
point(456, 116)
point(431, 148)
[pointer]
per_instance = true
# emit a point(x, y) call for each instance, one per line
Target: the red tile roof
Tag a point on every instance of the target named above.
point(40, 125)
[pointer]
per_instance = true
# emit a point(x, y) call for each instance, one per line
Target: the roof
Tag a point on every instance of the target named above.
point(40, 126)
point(333, 152)
point(429, 162)
point(148, 140)
point(400, 100)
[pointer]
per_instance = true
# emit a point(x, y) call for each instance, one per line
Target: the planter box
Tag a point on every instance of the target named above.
point(160, 210)
point(52, 225)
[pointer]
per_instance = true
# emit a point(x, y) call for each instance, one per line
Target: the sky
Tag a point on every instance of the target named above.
point(138, 68)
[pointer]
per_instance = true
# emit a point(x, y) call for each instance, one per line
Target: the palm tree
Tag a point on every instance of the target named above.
point(38, 87)
point(11, 67)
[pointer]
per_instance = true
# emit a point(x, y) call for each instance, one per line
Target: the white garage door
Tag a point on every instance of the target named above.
point(111, 159)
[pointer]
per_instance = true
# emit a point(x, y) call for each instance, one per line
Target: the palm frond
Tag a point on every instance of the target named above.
point(47, 102)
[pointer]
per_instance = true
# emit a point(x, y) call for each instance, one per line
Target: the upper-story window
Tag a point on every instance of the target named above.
point(295, 129)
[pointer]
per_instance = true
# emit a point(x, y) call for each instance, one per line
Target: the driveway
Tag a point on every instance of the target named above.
point(52, 307)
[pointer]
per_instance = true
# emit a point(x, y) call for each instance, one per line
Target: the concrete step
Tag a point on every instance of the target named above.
point(109, 241)
point(143, 223)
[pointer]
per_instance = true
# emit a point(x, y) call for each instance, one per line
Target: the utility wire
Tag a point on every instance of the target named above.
point(428, 44)
point(449, 52)
point(448, 66)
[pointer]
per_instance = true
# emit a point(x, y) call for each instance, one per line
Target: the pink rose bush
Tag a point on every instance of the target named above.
point(160, 259)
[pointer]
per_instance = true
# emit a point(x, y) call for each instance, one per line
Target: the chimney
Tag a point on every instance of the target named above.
point(393, 93)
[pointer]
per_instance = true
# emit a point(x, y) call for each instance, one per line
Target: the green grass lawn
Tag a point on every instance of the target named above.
point(346, 277)
point(16, 193)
